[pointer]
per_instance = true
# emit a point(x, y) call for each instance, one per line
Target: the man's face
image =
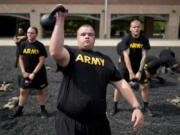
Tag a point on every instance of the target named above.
point(20, 31)
point(31, 34)
point(86, 38)
point(135, 29)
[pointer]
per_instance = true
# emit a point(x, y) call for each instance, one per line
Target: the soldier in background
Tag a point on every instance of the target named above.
point(18, 38)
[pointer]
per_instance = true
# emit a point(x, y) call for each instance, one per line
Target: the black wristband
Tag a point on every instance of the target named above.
point(34, 73)
point(137, 107)
point(141, 71)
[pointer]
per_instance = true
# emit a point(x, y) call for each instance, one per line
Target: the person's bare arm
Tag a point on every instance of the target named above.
point(126, 92)
point(143, 59)
point(15, 39)
point(141, 67)
point(37, 68)
point(21, 64)
point(56, 48)
point(130, 97)
point(128, 63)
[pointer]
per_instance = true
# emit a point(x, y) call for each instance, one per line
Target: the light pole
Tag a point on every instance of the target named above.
point(105, 18)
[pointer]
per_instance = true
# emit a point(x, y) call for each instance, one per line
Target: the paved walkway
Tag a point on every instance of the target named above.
point(99, 42)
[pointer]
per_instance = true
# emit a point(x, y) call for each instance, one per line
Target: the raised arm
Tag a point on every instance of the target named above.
point(130, 97)
point(56, 48)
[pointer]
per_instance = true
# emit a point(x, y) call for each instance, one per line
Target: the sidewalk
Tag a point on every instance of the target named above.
point(99, 42)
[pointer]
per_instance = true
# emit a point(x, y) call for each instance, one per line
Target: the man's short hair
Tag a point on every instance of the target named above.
point(85, 25)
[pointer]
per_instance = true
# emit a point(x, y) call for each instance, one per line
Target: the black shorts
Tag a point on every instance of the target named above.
point(152, 71)
point(37, 83)
point(66, 125)
point(125, 74)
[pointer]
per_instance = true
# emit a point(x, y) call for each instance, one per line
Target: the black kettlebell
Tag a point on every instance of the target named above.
point(134, 84)
point(47, 21)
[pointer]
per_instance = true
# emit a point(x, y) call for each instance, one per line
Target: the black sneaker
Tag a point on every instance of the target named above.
point(161, 80)
point(148, 112)
point(44, 114)
point(16, 114)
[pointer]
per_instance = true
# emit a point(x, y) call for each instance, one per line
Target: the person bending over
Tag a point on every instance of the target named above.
point(169, 61)
point(151, 68)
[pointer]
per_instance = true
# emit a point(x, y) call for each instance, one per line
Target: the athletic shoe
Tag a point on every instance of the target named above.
point(147, 111)
point(44, 114)
point(161, 81)
point(16, 114)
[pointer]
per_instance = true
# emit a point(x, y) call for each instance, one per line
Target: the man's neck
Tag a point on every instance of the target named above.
point(32, 41)
point(135, 36)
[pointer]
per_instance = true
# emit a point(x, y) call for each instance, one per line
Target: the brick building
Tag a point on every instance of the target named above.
point(166, 10)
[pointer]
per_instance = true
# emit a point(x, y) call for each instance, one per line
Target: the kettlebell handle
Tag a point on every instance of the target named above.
point(47, 21)
point(134, 80)
point(56, 9)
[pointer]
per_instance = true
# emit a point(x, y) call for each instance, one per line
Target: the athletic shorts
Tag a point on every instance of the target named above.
point(125, 74)
point(152, 71)
point(36, 83)
point(66, 125)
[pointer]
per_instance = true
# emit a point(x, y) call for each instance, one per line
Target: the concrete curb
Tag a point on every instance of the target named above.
point(99, 42)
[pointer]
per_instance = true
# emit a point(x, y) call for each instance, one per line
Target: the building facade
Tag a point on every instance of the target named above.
point(168, 10)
